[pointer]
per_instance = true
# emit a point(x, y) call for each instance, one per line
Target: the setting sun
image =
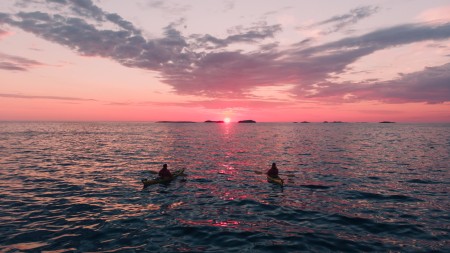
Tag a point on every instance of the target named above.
point(227, 120)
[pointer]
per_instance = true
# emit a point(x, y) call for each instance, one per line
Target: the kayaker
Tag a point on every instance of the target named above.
point(164, 173)
point(273, 172)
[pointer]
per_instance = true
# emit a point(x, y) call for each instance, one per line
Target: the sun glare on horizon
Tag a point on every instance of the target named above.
point(227, 120)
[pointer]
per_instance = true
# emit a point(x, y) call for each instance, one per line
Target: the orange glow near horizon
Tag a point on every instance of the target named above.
point(227, 120)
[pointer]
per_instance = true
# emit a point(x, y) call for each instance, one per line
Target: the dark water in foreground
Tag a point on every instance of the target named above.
point(75, 187)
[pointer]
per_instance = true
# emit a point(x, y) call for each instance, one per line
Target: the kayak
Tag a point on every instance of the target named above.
point(275, 180)
point(175, 174)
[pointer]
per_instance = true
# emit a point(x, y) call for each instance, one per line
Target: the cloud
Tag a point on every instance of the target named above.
point(432, 85)
point(239, 34)
point(275, 12)
point(439, 14)
point(16, 63)
point(20, 96)
point(215, 104)
point(3, 33)
point(205, 65)
point(77, 8)
point(239, 103)
point(174, 9)
point(228, 5)
point(343, 21)
point(335, 57)
point(388, 37)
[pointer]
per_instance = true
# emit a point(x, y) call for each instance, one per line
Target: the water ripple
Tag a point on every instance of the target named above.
point(75, 187)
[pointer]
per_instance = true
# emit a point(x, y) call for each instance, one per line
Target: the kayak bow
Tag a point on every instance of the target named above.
point(275, 180)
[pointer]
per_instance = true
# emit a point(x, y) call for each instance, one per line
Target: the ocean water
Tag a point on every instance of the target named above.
point(350, 187)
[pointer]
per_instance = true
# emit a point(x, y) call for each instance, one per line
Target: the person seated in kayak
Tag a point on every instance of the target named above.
point(273, 172)
point(164, 173)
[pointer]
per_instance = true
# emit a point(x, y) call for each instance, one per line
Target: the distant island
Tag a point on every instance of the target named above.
point(165, 121)
point(304, 122)
point(247, 121)
point(214, 121)
point(387, 122)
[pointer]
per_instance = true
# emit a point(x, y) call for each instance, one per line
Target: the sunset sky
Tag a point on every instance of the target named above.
point(284, 60)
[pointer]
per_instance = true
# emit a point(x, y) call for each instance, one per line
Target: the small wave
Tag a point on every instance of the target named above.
point(25, 246)
point(311, 186)
point(381, 197)
point(420, 181)
point(230, 239)
point(80, 208)
point(201, 180)
point(396, 229)
point(296, 215)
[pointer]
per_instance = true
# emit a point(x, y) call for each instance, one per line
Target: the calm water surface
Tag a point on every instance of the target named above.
point(360, 187)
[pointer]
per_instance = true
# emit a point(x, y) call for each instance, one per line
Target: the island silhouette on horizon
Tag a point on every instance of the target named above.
point(214, 121)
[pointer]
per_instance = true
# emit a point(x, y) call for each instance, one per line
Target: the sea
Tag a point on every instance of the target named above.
point(349, 187)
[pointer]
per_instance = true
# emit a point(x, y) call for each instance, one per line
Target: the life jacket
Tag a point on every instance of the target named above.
point(273, 172)
point(164, 173)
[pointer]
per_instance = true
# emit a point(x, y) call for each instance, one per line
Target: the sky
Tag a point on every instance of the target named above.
point(270, 61)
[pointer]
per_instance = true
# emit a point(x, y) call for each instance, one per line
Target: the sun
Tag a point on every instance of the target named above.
point(227, 120)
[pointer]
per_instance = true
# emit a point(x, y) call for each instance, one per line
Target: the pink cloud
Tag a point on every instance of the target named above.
point(3, 33)
point(16, 63)
point(440, 14)
point(430, 85)
point(61, 98)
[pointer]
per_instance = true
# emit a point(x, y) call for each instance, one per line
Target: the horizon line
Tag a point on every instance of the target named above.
point(190, 122)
